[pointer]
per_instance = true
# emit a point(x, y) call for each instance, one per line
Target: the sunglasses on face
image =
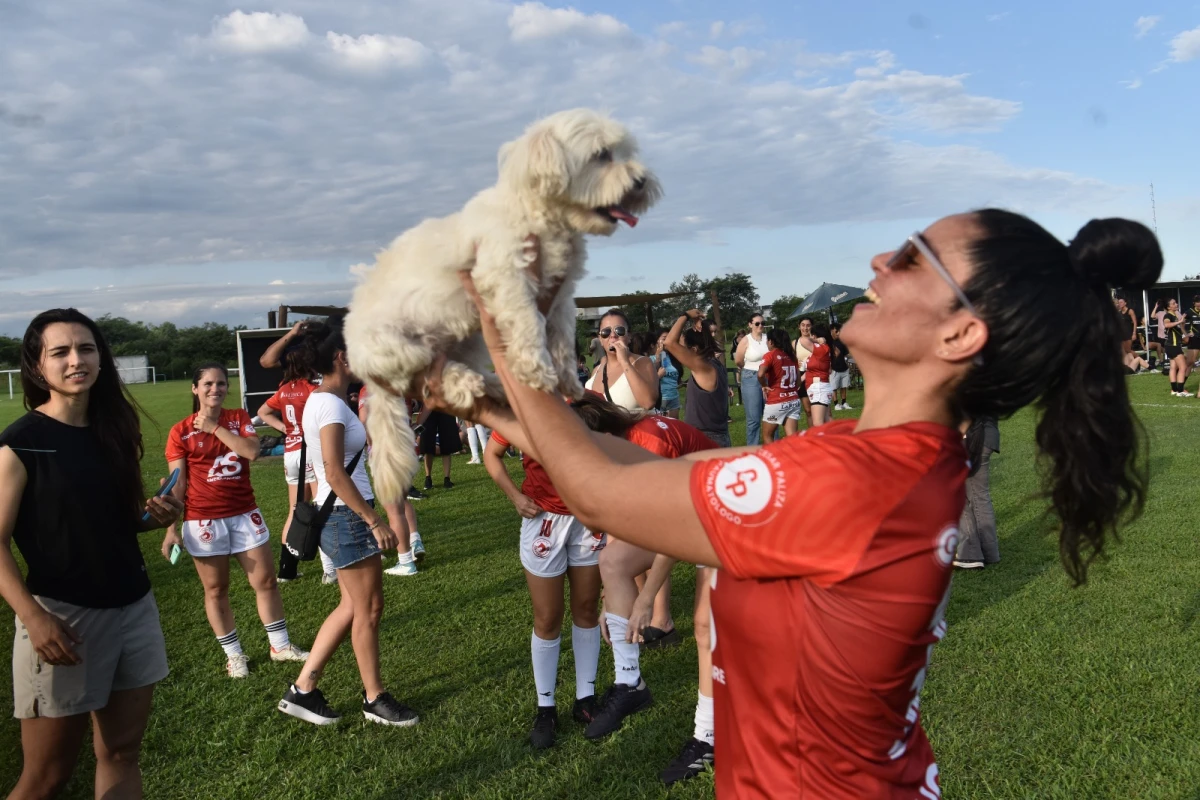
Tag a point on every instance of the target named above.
point(907, 255)
point(757, 324)
point(617, 331)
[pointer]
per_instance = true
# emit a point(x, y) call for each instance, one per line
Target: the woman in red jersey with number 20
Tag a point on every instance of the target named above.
point(819, 696)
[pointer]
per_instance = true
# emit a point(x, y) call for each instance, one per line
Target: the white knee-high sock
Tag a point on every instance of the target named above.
point(230, 643)
point(545, 667)
point(277, 633)
point(704, 719)
point(625, 654)
point(483, 434)
point(473, 440)
point(585, 643)
point(326, 563)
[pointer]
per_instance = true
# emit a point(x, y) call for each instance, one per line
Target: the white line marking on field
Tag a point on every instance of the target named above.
point(1168, 405)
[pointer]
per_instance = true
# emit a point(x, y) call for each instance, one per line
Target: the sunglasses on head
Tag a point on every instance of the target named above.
point(907, 254)
point(618, 330)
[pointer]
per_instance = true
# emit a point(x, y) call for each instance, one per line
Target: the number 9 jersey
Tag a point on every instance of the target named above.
point(218, 479)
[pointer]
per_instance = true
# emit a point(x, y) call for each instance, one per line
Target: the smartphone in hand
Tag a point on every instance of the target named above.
point(166, 487)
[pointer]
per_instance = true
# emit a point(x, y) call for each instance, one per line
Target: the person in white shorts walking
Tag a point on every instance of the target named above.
point(212, 449)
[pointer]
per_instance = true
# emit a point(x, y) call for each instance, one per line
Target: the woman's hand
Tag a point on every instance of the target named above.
point(169, 541)
point(53, 640)
point(639, 619)
point(622, 353)
point(165, 509)
point(526, 507)
point(385, 537)
point(201, 422)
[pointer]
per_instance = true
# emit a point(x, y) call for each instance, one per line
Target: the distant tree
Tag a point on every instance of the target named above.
point(738, 298)
point(10, 352)
point(782, 307)
point(696, 297)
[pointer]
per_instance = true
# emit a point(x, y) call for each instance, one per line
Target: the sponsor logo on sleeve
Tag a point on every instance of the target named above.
point(748, 490)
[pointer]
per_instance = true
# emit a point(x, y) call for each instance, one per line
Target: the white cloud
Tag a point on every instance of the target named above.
point(1145, 24)
point(671, 28)
point(1186, 46)
point(997, 17)
point(1136, 83)
point(536, 21)
point(373, 51)
point(736, 60)
point(259, 32)
point(715, 30)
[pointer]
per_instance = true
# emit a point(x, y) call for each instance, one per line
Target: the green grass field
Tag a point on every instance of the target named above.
point(1038, 690)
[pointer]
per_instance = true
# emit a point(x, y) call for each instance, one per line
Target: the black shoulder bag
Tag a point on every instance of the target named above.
point(308, 519)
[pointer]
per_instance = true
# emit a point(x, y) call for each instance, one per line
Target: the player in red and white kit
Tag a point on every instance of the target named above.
point(779, 375)
point(816, 377)
point(212, 449)
point(835, 548)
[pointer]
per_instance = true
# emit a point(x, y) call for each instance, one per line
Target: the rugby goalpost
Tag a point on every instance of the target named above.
point(129, 375)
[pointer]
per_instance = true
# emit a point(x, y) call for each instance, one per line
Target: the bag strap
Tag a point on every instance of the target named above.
point(604, 376)
point(327, 506)
point(303, 473)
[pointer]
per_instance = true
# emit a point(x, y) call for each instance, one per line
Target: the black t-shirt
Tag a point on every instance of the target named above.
point(837, 356)
point(78, 536)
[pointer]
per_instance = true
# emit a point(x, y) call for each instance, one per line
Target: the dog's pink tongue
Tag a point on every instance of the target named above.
point(616, 212)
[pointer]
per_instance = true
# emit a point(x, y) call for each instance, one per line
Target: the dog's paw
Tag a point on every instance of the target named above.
point(461, 386)
point(533, 370)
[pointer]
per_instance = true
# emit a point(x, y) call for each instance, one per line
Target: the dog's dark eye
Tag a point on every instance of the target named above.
point(604, 155)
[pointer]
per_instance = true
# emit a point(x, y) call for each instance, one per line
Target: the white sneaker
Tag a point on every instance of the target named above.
point(969, 564)
point(289, 580)
point(847, 407)
point(403, 568)
point(474, 461)
point(289, 653)
point(1186, 394)
point(328, 578)
point(238, 666)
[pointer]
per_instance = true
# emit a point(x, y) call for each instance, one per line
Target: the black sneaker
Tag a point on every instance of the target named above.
point(544, 726)
point(415, 494)
point(310, 707)
point(696, 756)
point(428, 483)
point(585, 710)
point(446, 484)
point(619, 702)
point(387, 710)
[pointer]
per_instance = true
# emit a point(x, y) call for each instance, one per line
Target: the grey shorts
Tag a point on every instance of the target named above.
point(122, 648)
point(839, 380)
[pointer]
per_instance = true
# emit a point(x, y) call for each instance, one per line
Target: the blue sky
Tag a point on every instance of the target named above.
point(208, 161)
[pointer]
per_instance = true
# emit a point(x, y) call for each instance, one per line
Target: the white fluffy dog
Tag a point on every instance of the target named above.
point(570, 174)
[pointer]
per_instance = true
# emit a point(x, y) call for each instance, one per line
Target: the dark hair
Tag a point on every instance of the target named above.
point(1092, 448)
point(782, 341)
point(297, 364)
point(324, 340)
point(198, 373)
point(702, 341)
point(112, 413)
point(1195, 299)
point(802, 320)
point(616, 312)
point(756, 314)
point(820, 332)
point(835, 326)
point(640, 343)
point(605, 417)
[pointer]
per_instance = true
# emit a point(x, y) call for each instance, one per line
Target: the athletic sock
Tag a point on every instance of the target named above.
point(585, 643)
point(704, 720)
point(473, 441)
point(230, 644)
point(412, 537)
point(326, 563)
point(298, 690)
point(404, 556)
point(545, 667)
point(277, 633)
point(625, 654)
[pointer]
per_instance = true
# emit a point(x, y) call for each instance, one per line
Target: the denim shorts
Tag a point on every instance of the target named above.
point(721, 438)
point(669, 403)
point(346, 539)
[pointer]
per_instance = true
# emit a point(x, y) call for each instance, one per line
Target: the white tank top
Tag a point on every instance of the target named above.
point(755, 352)
point(620, 390)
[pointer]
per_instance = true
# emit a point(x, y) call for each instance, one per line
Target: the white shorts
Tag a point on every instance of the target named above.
point(552, 542)
point(291, 469)
point(820, 393)
point(777, 413)
point(225, 537)
point(839, 380)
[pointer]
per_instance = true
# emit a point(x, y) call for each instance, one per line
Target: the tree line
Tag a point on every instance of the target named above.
point(172, 350)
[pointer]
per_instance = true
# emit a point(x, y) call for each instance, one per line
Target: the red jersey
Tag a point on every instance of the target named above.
point(847, 541)
point(668, 437)
point(818, 365)
point(289, 400)
point(537, 486)
point(218, 479)
point(781, 377)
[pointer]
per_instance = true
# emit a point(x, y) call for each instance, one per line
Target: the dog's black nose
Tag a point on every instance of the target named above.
point(639, 183)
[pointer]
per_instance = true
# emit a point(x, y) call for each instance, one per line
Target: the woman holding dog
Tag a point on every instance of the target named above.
point(622, 377)
point(820, 697)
